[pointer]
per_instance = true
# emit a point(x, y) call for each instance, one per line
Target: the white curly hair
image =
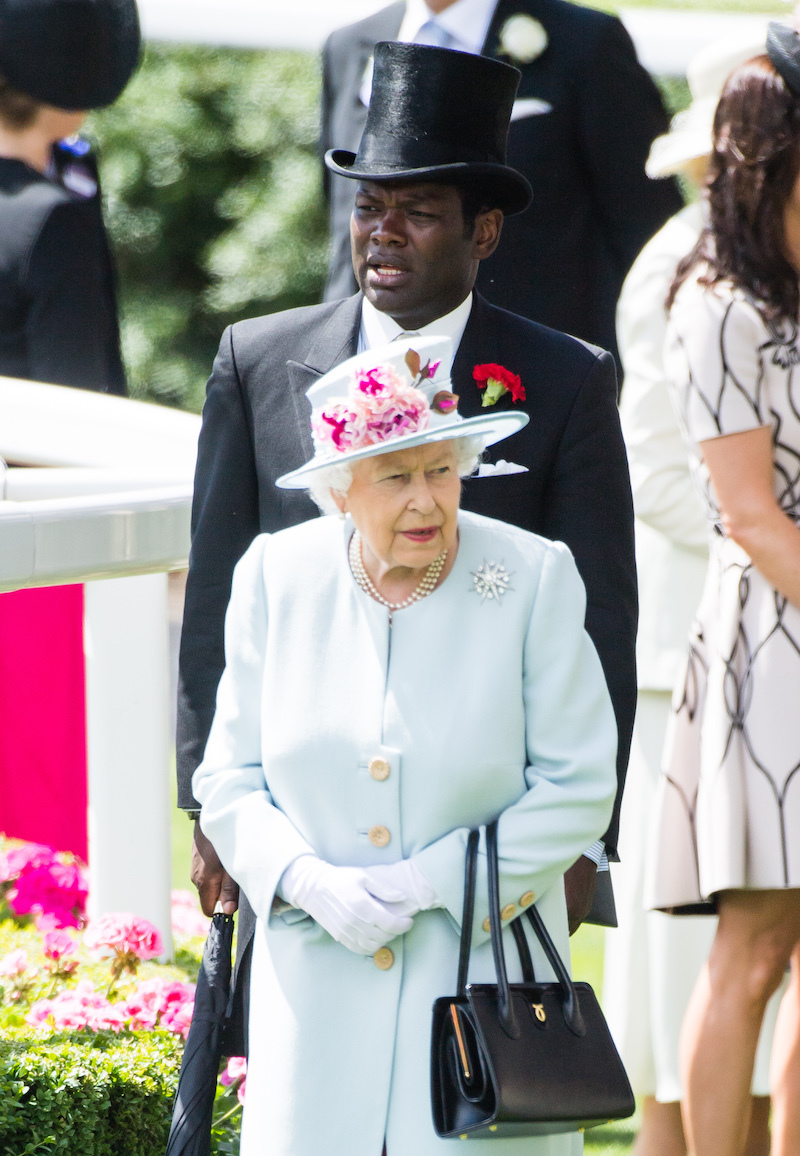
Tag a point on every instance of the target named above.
point(337, 478)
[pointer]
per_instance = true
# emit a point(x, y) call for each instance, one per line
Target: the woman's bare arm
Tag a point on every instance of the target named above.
point(740, 466)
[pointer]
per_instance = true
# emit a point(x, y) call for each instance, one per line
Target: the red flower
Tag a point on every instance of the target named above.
point(500, 380)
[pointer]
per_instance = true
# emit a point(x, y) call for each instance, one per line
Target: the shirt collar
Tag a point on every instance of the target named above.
point(380, 329)
point(467, 21)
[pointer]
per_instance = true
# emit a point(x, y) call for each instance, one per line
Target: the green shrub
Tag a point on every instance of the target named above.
point(93, 1094)
point(213, 202)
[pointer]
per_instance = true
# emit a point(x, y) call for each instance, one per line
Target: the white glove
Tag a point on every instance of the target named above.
point(342, 900)
point(416, 893)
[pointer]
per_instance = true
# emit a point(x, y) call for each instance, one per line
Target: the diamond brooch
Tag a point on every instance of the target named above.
point(491, 581)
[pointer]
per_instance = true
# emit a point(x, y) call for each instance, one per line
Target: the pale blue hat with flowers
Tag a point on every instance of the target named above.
point(392, 398)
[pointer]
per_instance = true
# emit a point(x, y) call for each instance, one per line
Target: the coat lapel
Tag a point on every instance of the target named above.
point(504, 9)
point(335, 342)
point(478, 346)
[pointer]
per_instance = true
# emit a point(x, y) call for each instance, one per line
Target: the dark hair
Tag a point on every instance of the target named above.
point(752, 171)
point(18, 111)
point(476, 198)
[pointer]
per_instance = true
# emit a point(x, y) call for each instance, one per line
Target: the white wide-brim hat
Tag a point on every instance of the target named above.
point(419, 405)
point(691, 134)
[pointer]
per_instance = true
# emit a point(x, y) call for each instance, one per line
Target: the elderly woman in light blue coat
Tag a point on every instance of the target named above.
point(394, 678)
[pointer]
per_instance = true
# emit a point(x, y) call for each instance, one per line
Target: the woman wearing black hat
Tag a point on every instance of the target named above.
point(58, 317)
point(728, 815)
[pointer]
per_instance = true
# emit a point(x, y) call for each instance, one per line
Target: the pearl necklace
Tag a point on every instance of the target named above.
point(426, 586)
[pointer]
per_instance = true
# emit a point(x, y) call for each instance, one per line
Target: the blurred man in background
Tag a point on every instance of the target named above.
point(585, 116)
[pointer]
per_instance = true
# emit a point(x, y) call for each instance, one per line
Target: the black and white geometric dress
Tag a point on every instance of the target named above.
point(728, 804)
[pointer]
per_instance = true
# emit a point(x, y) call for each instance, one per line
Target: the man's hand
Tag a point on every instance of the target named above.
point(579, 884)
point(212, 881)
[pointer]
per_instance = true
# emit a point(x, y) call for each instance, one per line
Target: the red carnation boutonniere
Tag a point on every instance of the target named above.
point(496, 380)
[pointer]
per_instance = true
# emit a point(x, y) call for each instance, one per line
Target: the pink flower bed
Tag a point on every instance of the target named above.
point(155, 1003)
point(187, 918)
point(123, 935)
point(49, 885)
point(236, 1071)
point(37, 881)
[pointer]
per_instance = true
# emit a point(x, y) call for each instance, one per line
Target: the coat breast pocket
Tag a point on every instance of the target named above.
point(508, 497)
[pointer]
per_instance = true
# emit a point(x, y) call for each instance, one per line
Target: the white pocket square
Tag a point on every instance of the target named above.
point(490, 469)
point(530, 106)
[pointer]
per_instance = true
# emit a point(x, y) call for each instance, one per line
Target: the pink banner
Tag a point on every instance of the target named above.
point(43, 717)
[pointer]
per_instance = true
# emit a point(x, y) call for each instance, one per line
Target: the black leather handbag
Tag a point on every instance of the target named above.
point(522, 1059)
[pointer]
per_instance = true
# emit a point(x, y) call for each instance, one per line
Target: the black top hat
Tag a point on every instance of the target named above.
point(783, 49)
point(437, 114)
point(73, 54)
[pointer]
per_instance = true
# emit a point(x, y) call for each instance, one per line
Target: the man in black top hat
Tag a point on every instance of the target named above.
point(433, 185)
point(585, 116)
point(58, 314)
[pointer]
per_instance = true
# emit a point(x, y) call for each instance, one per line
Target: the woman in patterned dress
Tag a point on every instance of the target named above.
point(727, 821)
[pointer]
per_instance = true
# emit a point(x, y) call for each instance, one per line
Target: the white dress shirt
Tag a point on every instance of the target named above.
point(466, 22)
point(465, 25)
point(380, 329)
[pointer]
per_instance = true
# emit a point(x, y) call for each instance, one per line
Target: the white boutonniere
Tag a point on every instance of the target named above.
point(522, 38)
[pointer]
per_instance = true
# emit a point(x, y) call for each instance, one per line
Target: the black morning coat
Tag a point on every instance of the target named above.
point(58, 310)
point(561, 262)
point(256, 427)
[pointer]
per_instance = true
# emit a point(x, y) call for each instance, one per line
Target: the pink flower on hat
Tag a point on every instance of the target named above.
point(340, 427)
point(379, 381)
point(380, 407)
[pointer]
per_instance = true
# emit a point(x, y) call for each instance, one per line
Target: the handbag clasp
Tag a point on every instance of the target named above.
point(539, 1010)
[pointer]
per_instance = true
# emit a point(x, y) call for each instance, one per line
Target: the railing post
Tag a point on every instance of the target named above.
point(128, 747)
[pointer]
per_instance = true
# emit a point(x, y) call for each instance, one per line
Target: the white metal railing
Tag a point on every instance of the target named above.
point(101, 488)
point(78, 539)
point(665, 40)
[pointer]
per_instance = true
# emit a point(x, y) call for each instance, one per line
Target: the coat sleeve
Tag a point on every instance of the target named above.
point(254, 840)
point(589, 506)
point(664, 494)
point(621, 113)
point(72, 333)
point(571, 745)
point(224, 523)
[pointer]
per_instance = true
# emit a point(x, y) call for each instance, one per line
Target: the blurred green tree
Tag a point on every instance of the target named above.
point(213, 202)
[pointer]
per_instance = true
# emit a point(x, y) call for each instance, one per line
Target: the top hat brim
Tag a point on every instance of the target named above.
point(783, 49)
point(512, 191)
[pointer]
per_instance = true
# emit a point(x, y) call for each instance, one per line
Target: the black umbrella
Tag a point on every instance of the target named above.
point(190, 1134)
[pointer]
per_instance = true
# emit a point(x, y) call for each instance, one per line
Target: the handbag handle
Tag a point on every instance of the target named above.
point(505, 1008)
point(571, 1006)
point(468, 914)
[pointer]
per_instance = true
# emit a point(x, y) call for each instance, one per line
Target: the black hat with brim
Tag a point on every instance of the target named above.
point(442, 116)
point(72, 54)
point(783, 49)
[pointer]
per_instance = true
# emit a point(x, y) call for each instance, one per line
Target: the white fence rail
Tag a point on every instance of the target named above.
point(101, 488)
